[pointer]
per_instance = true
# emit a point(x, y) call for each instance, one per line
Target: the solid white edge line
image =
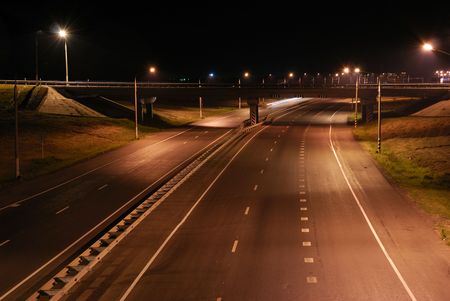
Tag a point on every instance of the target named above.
point(99, 224)
point(155, 255)
point(88, 172)
point(369, 223)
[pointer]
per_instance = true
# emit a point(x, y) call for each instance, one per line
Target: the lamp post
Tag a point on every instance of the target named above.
point(357, 70)
point(246, 75)
point(379, 118)
point(136, 131)
point(36, 53)
point(63, 34)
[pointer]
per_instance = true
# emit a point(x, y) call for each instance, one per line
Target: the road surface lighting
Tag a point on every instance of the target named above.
point(429, 47)
point(63, 34)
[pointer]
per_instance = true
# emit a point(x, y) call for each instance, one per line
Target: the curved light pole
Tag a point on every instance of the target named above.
point(63, 34)
point(429, 47)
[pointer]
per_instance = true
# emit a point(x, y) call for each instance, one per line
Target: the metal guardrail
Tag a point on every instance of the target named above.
point(149, 85)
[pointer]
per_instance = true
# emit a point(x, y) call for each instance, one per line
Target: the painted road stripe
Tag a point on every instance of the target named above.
point(256, 187)
point(311, 279)
point(15, 205)
point(302, 200)
point(247, 210)
point(305, 230)
point(304, 218)
point(104, 186)
point(275, 142)
point(262, 171)
point(306, 244)
point(219, 299)
point(184, 142)
point(309, 260)
point(303, 209)
point(267, 159)
point(4, 243)
point(369, 223)
point(271, 149)
point(196, 137)
point(64, 209)
point(302, 192)
point(235, 244)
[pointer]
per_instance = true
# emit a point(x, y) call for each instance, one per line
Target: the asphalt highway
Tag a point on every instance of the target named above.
point(44, 221)
point(292, 211)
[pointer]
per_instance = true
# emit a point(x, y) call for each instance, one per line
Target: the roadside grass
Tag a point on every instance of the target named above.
point(7, 95)
point(178, 116)
point(416, 155)
point(49, 142)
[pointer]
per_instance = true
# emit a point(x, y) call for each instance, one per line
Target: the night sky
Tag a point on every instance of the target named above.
point(117, 42)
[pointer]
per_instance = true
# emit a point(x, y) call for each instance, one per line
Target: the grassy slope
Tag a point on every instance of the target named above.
point(68, 139)
point(416, 155)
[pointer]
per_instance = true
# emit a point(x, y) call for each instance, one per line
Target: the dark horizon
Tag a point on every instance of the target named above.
point(118, 43)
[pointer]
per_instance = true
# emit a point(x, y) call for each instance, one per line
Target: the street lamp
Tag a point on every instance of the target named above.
point(428, 47)
point(246, 75)
point(63, 34)
point(357, 70)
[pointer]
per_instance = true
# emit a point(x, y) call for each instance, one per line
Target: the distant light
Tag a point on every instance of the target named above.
point(211, 74)
point(291, 74)
point(337, 74)
point(62, 33)
point(346, 70)
point(152, 69)
point(427, 47)
point(246, 74)
point(357, 70)
point(318, 73)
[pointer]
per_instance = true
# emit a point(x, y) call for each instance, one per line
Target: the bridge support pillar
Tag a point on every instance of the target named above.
point(366, 111)
point(146, 109)
point(254, 110)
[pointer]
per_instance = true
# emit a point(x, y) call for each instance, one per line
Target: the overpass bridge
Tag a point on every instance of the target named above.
point(249, 93)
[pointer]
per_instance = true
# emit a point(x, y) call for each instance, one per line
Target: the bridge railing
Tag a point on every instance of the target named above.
point(104, 84)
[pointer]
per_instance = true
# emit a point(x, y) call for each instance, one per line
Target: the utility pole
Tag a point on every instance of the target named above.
point(379, 118)
point(135, 110)
point(239, 81)
point(356, 101)
point(16, 147)
point(200, 100)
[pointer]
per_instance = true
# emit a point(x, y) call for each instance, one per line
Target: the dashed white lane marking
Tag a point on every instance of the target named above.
point(301, 186)
point(304, 218)
point(255, 187)
point(104, 186)
point(271, 149)
point(267, 159)
point(302, 192)
point(279, 135)
point(14, 205)
point(262, 171)
point(64, 209)
point(369, 223)
point(4, 243)
point(311, 279)
point(275, 142)
point(309, 260)
point(206, 132)
point(184, 142)
point(247, 210)
point(235, 244)
point(303, 209)
point(306, 244)
point(305, 230)
point(301, 180)
point(196, 137)
point(302, 200)
point(219, 299)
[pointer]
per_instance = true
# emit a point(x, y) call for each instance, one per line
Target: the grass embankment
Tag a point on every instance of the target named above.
point(416, 155)
point(49, 142)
